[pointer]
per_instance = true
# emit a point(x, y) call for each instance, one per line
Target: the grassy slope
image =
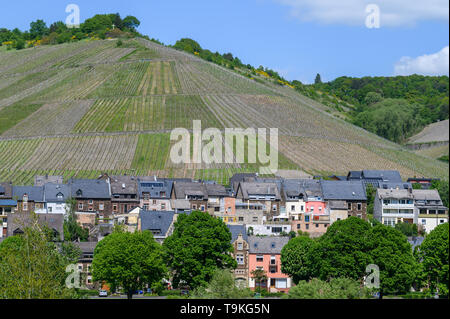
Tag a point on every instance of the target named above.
point(136, 102)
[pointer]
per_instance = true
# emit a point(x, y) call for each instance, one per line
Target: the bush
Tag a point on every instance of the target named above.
point(336, 288)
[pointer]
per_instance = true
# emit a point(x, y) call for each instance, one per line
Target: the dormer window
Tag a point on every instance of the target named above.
point(79, 192)
point(25, 197)
point(60, 196)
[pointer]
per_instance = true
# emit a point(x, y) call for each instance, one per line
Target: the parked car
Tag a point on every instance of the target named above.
point(103, 293)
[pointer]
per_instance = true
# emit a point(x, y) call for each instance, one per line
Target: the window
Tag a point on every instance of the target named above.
point(293, 208)
point(101, 206)
point(259, 258)
point(274, 208)
point(240, 259)
point(442, 221)
point(50, 209)
point(145, 206)
point(80, 206)
point(302, 208)
point(317, 225)
point(241, 219)
point(307, 219)
point(424, 221)
point(281, 283)
point(202, 208)
point(255, 219)
point(298, 226)
point(115, 208)
point(163, 206)
point(194, 206)
point(349, 206)
point(307, 226)
point(240, 246)
point(359, 206)
point(311, 209)
point(91, 202)
point(277, 229)
point(154, 202)
point(25, 206)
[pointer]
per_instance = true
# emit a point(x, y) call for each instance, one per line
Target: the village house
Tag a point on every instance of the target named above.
point(130, 219)
point(155, 194)
point(306, 207)
point(17, 221)
point(266, 193)
point(160, 224)
point(270, 228)
point(216, 193)
point(92, 196)
point(429, 208)
point(29, 199)
point(56, 197)
point(7, 205)
point(394, 205)
point(239, 240)
point(227, 210)
point(195, 192)
point(85, 263)
point(249, 213)
point(124, 193)
point(352, 194)
point(265, 254)
point(374, 177)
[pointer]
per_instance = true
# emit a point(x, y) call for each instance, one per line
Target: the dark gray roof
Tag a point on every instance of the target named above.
point(375, 175)
point(52, 192)
point(86, 247)
point(21, 220)
point(157, 188)
point(90, 188)
point(123, 185)
point(183, 189)
point(216, 190)
point(266, 245)
point(5, 190)
point(259, 188)
point(240, 177)
point(343, 190)
point(35, 193)
point(307, 187)
point(156, 221)
point(399, 185)
point(236, 230)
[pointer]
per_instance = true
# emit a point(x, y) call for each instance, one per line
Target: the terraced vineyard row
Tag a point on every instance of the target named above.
point(140, 78)
point(151, 113)
point(51, 119)
point(83, 153)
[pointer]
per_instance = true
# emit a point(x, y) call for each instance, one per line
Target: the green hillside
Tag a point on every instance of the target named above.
point(92, 106)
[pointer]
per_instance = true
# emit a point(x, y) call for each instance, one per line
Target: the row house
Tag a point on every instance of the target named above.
point(160, 224)
point(239, 241)
point(270, 228)
point(7, 205)
point(265, 254)
point(261, 192)
point(305, 206)
point(155, 194)
point(375, 177)
point(29, 199)
point(216, 193)
point(345, 198)
point(17, 221)
point(124, 193)
point(55, 198)
point(92, 197)
point(421, 207)
point(195, 192)
point(84, 264)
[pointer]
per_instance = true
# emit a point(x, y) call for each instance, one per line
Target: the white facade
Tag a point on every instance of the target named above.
point(269, 229)
point(57, 208)
point(431, 222)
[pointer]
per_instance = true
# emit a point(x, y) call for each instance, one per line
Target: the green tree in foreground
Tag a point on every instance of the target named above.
point(433, 256)
point(259, 275)
point(222, 286)
point(390, 251)
point(199, 244)
point(31, 267)
point(295, 259)
point(336, 288)
point(407, 229)
point(128, 260)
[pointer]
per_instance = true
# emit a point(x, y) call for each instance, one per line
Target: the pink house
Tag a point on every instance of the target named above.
point(265, 254)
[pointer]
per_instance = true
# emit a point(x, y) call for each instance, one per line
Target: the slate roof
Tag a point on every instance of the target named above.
point(394, 193)
point(266, 245)
point(400, 185)
point(51, 192)
point(257, 188)
point(156, 221)
point(183, 189)
point(157, 188)
point(5, 190)
point(35, 193)
point(240, 177)
point(123, 185)
point(373, 176)
point(180, 204)
point(19, 220)
point(216, 190)
point(307, 187)
point(86, 247)
point(90, 188)
point(426, 194)
point(236, 230)
point(343, 190)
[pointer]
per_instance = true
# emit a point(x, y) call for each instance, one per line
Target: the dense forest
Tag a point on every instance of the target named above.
point(392, 107)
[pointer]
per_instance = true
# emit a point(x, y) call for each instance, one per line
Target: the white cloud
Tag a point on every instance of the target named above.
point(427, 64)
point(353, 12)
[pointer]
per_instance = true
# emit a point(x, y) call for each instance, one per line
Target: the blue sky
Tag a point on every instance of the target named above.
point(298, 38)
